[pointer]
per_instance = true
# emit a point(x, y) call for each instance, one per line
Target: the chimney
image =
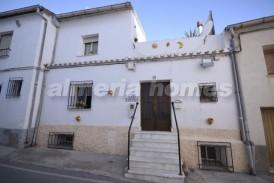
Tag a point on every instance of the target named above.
point(200, 26)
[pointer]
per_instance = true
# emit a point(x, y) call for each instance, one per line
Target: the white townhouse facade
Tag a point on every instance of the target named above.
point(26, 39)
point(82, 80)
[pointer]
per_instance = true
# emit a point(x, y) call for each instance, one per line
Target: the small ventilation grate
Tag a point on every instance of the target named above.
point(60, 140)
point(215, 156)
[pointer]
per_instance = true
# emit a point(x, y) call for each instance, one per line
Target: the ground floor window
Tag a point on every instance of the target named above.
point(80, 93)
point(215, 155)
point(60, 140)
point(14, 87)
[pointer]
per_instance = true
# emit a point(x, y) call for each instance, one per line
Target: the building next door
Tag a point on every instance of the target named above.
point(268, 122)
point(155, 106)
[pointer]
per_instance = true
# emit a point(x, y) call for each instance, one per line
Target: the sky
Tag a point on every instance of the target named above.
point(166, 19)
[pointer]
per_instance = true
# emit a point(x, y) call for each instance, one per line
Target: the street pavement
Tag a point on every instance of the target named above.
point(22, 173)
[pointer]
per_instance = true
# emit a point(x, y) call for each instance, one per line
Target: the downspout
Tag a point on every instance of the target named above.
point(245, 134)
point(36, 75)
point(41, 99)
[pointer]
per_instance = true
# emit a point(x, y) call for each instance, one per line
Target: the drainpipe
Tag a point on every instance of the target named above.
point(36, 75)
point(245, 134)
point(41, 99)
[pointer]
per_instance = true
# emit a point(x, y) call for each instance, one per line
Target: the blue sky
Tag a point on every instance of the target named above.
point(167, 18)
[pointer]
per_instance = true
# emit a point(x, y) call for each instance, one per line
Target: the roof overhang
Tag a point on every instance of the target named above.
point(95, 11)
point(251, 23)
point(22, 11)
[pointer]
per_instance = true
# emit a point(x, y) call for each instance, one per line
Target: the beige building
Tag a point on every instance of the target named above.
point(254, 46)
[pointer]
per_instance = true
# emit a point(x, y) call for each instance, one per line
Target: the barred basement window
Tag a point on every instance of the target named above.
point(215, 156)
point(60, 140)
point(208, 92)
point(80, 93)
point(14, 87)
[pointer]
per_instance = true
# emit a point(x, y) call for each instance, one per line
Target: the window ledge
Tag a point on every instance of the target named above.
point(87, 55)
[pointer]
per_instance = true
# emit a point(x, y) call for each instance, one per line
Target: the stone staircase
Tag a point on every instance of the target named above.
point(154, 157)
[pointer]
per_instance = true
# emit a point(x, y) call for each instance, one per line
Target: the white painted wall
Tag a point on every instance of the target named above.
point(25, 42)
point(190, 45)
point(115, 37)
point(258, 86)
point(25, 50)
point(113, 110)
point(13, 110)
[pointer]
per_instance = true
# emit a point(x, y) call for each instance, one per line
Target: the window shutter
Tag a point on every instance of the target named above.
point(269, 60)
point(5, 41)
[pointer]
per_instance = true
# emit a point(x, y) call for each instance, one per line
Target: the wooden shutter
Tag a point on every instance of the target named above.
point(269, 60)
point(268, 122)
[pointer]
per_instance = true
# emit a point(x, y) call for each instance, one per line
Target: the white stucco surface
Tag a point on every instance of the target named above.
point(25, 41)
point(113, 110)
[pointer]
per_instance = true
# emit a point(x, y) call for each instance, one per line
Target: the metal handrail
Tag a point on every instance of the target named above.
point(178, 136)
point(128, 139)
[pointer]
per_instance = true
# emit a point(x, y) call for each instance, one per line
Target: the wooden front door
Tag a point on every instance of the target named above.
point(268, 121)
point(155, 106)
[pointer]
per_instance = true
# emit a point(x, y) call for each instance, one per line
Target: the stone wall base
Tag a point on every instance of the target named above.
point(14, 137)
point(189, 138)
point(113, 140)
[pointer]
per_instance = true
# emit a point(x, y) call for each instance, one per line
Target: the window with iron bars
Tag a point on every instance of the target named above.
point(14, 87)
point(61, 140)
point(80, 95)
point(215, 156)
point(208, 92)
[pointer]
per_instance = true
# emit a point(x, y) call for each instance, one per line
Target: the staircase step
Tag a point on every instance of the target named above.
point(156, 135)
point(154, 165)
point(155, 149)
point(154, 144)
point(153, 171)
point(151, 154)
point(156, 177)
point(155, 159)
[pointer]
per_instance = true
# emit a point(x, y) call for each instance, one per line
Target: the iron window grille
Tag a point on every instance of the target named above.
point(215, 156)
point(80, 95)
point(14, 87)
point(61, 140)
point(208, 92)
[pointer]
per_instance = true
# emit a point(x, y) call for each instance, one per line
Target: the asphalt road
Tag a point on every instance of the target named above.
point(20, 173)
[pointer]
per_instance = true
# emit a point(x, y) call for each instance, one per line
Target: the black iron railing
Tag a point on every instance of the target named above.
point(128, 139)
point(4, 52)
point(178, 136)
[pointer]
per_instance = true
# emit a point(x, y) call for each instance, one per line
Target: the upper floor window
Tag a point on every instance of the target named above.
point(80, 93)
point(208, 92)
point(14, 87)
point(269, 58)
point(5, 41)
point(90, 44)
